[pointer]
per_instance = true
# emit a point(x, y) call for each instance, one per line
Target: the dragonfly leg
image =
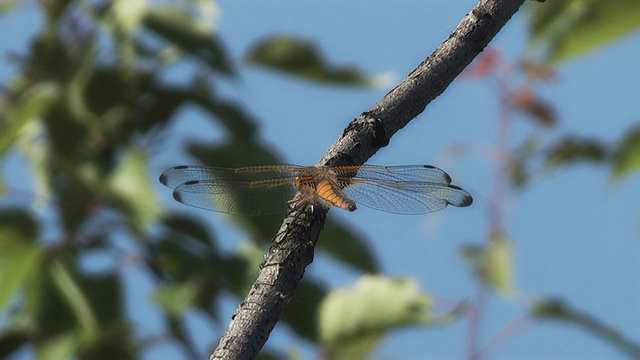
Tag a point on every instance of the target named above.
point(300, 201)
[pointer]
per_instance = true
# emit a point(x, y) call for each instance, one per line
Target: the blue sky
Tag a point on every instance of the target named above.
point(575, 233)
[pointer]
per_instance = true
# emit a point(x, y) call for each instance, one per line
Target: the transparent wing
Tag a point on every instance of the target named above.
point(255, 190)
point(412, 189)
point(425, 173)
point(181, 174)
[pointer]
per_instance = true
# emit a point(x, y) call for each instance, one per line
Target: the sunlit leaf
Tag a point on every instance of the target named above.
point(17, 261)
point(36, 152)
point(493, 263)
point(75, 297)
point(353, 321)
point(571, 149)
point(558, 310)
point(19, 253)
point(30, 105)
point(131, 187)
point(626, 157)
point(128, 14)
point(302, 58)
point(499, 264)
point(571, 27)
point(62, 346)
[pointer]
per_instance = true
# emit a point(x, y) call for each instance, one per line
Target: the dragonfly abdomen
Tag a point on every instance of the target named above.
point(329, 191)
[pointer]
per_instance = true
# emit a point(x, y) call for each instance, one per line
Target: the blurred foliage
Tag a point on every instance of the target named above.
point(558, 310)
point(87, 105)
point(543, 150)
point(293, 56)
point(493, 263)
point(353, 321)
point(84, 110)
point(561, 30)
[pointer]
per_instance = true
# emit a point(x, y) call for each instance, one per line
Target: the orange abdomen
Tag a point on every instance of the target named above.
point(332, 193)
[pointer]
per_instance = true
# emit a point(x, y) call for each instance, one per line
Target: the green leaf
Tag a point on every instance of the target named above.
point(31, 104)
point(626, 158)
point(300, 313)
point(6, 6)
point(353, 321)
point(241, 270)
point(493, 263)
point(573, 149)
point(235, 152)
point(37, 152)
point(190, 33)
point(189, 227)
point(302, 58)
point(131, 187)
point(346, 246)
point(180, 258)
point(176, 299)
point(19, 254)
point(17, 261)
point(499, 264)
point(270, 354)
point(128, 14)
point(74, 295)
point(571, 27)
point(235, 119)
point(11, 340)
point(62, 346)
point(555, 309)
point(104, 293)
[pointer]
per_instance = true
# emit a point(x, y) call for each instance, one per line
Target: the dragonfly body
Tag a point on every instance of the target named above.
point(267, 189)
point(321, 184)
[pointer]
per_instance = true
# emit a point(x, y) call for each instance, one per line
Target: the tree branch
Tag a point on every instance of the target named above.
point(293, 246)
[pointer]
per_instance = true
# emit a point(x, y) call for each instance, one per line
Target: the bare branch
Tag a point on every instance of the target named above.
point(293, 247)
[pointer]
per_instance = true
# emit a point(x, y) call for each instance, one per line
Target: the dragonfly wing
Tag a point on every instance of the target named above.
point(425, 173)
point(181, 174)
point(406, 197)
point(235, 197)
point(258, 190)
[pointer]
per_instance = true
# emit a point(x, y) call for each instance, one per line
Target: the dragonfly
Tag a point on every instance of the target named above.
point(272, 189)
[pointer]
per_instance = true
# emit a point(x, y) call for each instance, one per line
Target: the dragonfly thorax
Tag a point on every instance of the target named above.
point(319, 185)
